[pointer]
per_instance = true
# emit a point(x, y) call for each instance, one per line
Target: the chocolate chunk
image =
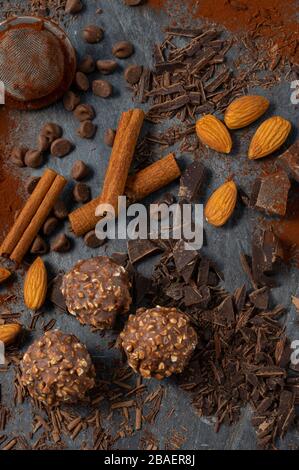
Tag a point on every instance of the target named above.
point(140, 249)
point(81, 81)
point(52, 131)
point(73, 6)
point(102, 88)
point(289, 160)
point(50, 226)
point(39, 246)
point(61, 244)
point(81, 192)
point(123, 49)
point(260, 298)
point(33, 159)
point(191, 181)
point(54, 293)
point(266, 251)
point(61, 147)
point(203, 272)
point(92, 34)
point(185, 260)
point(17, 156)
point(87, 65)
point(226, 310)
point(106, 66)
point(196, 296)
point(31, 183)
point(84, 112)
point(109, 137)
point(92, 241)
point(79, 170)
point(133, 74)
point(120, 258)
point(87, 130)
point(270, 193)
point(60, 210)
point(71, 100)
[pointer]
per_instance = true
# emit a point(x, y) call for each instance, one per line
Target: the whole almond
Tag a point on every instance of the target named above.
point(213, 133)
point(245, 110)
point(4, 274)
point(35, 286)
point(9, 333)
point(221, 204)
point(271, 134)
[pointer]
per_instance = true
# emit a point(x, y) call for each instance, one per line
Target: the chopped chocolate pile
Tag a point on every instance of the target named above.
point(242, 353)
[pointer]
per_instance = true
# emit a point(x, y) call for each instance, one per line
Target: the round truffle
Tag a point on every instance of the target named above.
point(57, 369)
point(96, 290)
point(158, 341)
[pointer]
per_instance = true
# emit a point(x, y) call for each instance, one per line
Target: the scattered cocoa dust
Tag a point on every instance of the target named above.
point(11, 186)
point(274, 20)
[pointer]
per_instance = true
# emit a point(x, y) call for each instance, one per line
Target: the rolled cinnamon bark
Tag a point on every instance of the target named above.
point(84, 219)
point(27, 213)
point(151, 179)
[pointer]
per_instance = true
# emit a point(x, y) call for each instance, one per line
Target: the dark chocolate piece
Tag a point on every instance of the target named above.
point(270, 193)
point(289, 161)
point(260, 298)
point(140, 249)
point(54, 293)
point(191, 181)
point(266, 251)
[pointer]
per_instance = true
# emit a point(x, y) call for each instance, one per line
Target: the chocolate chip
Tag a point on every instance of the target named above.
point(33, 158)
point(17, 156)
point(87, 130)
point(61, 244)
point(81, 81)
point(71, 100)
point(39, 246)
point(109, 137)
point(87, 64)
point(73, 6)
point(50, 226)
point(84, 112)
point(133, 3)
point(43, 143)
point(31, 184)
point(92, 34)
point(61, 148)
point(79, 170)
point(123, 49)
point(92, 241)
point(81, 192)
point(106, 66)
point(52, 131)
point(102, 88)
point(133, 74)
point(60, 210)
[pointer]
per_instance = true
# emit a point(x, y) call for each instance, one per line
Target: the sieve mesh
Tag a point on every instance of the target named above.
point(31, 63)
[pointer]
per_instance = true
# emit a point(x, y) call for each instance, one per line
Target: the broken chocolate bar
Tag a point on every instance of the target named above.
point(270, 193)
point(266, 251)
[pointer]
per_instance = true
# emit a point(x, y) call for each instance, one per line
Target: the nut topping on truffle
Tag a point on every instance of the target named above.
point(158, 341)
point(57, 369)
point(96, 290)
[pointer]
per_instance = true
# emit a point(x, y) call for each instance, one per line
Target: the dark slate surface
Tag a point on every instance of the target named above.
point(143, 27)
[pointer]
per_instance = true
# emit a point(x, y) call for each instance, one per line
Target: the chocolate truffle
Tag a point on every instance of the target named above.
point(96, 290)
point(57, 369)
point(158, 341)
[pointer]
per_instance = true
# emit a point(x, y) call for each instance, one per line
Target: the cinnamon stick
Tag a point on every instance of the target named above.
point(84, 219)
point(38, 219)
point(151, 179)
point(27, 213)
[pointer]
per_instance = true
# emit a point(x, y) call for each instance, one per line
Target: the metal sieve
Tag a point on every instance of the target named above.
point(37, 62)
